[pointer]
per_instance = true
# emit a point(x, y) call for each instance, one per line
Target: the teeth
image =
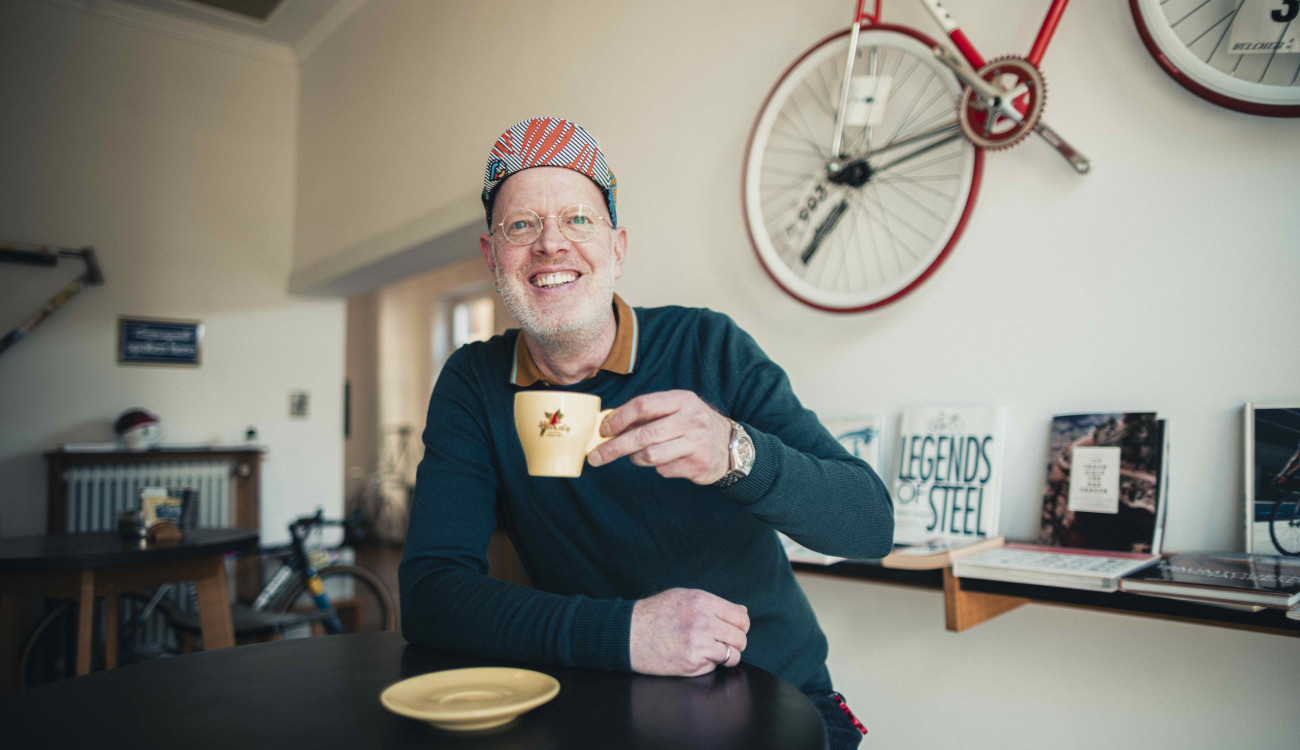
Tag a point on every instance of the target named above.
point(554, 279)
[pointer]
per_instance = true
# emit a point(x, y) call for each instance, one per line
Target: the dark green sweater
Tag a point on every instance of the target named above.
point(594, 545)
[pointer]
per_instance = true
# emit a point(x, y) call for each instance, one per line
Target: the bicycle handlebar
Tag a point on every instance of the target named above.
point(353, 527)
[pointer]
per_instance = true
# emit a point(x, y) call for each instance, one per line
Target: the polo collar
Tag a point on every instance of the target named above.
point(621, 359)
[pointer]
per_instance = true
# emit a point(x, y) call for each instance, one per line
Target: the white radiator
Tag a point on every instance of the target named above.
point(97, 493)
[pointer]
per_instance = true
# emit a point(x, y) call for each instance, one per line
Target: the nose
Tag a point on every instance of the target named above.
point(551, 240)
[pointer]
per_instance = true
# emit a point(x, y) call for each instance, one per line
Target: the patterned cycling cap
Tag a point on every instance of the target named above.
point(548, 142)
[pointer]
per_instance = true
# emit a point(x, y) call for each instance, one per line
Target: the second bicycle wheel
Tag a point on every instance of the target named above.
point(362, 601)
point(49, 652)
point(1193, 42)
point(1284, 525)
point(869, 232)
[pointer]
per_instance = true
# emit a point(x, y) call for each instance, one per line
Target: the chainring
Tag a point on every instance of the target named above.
point(992, 129)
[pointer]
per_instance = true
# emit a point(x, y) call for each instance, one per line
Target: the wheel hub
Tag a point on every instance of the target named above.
point(854, 174)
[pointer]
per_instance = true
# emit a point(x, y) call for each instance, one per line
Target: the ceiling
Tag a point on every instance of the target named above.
point(293, 28)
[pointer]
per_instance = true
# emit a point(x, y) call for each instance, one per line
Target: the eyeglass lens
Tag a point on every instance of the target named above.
point(578, 222)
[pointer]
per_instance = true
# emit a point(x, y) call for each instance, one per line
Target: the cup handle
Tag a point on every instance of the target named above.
point(596, 438)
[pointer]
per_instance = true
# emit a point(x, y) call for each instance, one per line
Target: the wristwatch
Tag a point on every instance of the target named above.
point(740, 456)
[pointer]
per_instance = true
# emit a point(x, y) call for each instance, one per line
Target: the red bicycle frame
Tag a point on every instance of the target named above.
point(965, 69)
point(959, 39)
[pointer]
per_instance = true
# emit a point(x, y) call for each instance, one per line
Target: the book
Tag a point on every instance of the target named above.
point(1272, 472)
point(938, 552)
point(860, 436)
point(1089, 570)
point(948, 476)
point(1107, 482)
point(1264, 580)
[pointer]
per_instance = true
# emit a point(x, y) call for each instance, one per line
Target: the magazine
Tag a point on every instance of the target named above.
point(938, 552)
point(1053, 566)
point(1264, 580)
point(948, 473)
point(1107, 480)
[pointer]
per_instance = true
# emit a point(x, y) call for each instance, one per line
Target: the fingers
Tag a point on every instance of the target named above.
point(643, 408)
point(673, 431)
point(730, 655)
point(686, 632)
point(736, 615)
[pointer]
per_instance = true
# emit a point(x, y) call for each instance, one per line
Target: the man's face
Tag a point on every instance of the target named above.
point(555, 286)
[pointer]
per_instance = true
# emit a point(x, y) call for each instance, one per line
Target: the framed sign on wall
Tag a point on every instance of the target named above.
point(156, 341)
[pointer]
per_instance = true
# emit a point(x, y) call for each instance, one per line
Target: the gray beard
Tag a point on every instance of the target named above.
point(586, 324)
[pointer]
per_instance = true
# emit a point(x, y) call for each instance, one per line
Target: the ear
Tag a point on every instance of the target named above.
point(485, 247)
point(619, 239)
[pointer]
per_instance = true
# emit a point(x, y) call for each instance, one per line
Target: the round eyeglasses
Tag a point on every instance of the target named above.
point(577, 222)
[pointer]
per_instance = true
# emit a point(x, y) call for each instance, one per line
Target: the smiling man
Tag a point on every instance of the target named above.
point(662, 558)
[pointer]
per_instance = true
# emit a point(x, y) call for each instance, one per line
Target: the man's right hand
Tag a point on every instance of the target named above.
point(685, 633)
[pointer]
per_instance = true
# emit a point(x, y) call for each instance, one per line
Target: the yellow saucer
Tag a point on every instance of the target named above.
point(468, 699)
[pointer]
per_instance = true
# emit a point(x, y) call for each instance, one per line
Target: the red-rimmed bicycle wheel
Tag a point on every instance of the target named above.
point(870, 234)
point(1192, 43)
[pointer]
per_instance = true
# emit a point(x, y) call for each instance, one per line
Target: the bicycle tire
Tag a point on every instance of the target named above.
point(1284, 526)
point(1196, 55)
point(904, 219)
point(376, 609)
point(49, 650)
point(42, 661)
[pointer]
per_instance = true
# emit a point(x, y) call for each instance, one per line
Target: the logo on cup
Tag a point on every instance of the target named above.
point(553, 426)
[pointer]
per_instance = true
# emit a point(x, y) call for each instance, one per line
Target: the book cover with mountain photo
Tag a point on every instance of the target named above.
point(1107, 477)
point(948, 472)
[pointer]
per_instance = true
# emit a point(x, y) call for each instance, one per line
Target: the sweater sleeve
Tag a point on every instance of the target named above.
point(447, 599)
point(804, 483)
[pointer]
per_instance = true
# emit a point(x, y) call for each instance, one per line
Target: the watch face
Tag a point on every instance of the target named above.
point(742, 449)
point(745, 451)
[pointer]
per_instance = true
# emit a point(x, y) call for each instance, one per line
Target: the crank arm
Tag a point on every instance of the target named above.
point(1077, 160)
point(985, 90)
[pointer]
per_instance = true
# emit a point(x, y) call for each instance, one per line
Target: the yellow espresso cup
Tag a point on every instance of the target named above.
point(557, 430)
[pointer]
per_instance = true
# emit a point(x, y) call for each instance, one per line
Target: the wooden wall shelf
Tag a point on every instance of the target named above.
point(983, 600)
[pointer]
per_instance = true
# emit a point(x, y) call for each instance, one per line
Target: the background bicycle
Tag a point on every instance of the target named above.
point(383, 497)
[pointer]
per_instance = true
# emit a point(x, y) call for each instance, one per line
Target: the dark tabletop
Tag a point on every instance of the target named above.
point(324, 693)
point(107, 548)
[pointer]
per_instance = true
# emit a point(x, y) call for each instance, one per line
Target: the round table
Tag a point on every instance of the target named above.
point(324, 693)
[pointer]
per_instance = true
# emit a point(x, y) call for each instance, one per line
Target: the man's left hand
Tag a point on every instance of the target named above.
point(673, 431)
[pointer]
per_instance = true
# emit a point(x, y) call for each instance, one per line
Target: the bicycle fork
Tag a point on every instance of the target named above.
point(317, 589)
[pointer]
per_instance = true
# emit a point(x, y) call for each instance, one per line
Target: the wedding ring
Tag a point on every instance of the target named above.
point(726, 658)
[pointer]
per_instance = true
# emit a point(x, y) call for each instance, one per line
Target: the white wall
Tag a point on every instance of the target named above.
point(1163, 280)
point(176, 161)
